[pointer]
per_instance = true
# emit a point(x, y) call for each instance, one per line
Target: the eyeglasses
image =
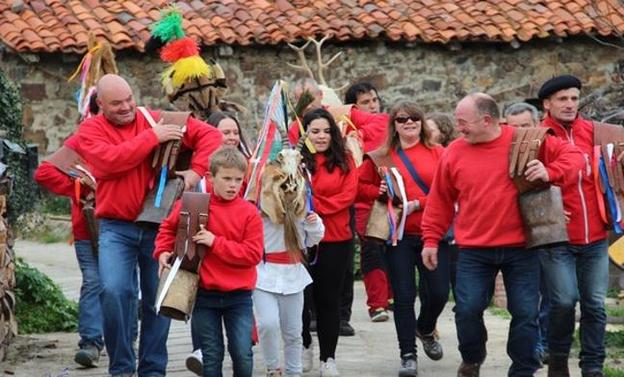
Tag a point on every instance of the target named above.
point(401, 120)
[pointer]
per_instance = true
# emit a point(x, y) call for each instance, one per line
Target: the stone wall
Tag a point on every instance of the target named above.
point(433, 75)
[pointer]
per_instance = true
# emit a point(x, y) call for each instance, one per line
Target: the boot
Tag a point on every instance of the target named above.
point(558, 366)
point(468, 370)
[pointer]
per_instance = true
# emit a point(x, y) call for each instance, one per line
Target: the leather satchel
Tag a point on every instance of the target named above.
point(168, 155)
point(541, 205)
point(178, 286)
point(377, 226)
point(69, 162)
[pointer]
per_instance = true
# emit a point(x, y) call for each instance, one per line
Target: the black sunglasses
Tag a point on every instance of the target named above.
point(413, 118)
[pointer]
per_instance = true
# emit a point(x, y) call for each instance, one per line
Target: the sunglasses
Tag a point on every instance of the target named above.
point(401, 120)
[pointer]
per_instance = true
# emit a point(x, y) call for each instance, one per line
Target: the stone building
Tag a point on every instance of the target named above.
point(432, 51)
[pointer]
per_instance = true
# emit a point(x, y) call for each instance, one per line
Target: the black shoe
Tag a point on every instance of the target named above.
point(433, 348)
point(409, 366)
point(88, 356)
point(558, 366)
point(346, 329)
point(468, 370)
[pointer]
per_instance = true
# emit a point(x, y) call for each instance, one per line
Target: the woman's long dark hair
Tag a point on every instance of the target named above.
point(218, 116)
point(336, 153)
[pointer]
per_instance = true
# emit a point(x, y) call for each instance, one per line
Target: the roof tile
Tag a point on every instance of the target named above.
point(61, 25)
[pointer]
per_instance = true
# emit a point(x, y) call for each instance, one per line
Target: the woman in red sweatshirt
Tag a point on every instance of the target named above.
point(410, 151)
point(334, 185)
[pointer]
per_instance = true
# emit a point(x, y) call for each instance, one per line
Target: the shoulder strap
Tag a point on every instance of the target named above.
point(412, 170)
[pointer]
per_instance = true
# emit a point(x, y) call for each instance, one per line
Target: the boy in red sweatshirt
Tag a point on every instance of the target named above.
point(474, 173)
point(234, 241)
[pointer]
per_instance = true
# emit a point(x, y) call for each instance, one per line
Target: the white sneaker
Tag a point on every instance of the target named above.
point(329, 368)
point(307, 358)
point(194, 362)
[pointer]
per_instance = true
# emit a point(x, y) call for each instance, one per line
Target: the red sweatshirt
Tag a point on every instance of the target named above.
point(476, 176)
point(59, 183)
point(121, 160)
point(424, 159)
point(332, 195)
point(230, 264)
point(579, 193)
point(372, 128)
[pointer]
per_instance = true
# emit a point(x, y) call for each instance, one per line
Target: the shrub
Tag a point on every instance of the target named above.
point(40, 303)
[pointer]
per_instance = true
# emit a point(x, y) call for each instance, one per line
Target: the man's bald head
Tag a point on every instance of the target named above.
point(477, 118)
point(114, 96)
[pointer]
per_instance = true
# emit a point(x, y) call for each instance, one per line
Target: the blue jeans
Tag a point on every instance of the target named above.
point(234, 309)
point(542, 318)
point(574, 272)
point(433, 287)
point(476, 271)
point(90, 310)
point(122, 245)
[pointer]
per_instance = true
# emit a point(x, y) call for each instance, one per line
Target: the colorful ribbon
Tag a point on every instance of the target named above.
point(161, 186)
point(611, 200)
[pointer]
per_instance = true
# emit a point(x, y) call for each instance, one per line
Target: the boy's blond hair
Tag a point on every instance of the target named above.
point(227, 157)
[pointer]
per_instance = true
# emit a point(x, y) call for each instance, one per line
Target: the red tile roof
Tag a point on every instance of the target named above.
point(62, 25)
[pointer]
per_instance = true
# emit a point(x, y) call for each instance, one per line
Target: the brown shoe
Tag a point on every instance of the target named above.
point(468, 370)
point(558, 366)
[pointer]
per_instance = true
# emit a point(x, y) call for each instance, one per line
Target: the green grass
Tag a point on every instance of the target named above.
point(45, 235)
point(613, 372)
point(613, 292)
point(615, 311)
point(499, 312)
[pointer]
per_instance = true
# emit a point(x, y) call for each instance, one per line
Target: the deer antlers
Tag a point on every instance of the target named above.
point(322, 66)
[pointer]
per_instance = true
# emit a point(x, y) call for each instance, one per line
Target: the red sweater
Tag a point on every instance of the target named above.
point(332, 195)
point(121, 158)
point(476, 176)
point(424, 159)
point(579, 193)
point(59, 183)
point(230, 264)
point(372, 128)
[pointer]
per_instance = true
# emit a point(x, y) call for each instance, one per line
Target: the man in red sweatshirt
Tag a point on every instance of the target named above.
point(228, 269)
point(118, 144)
point(89, 309)
point(579, 269)
point(474, 173)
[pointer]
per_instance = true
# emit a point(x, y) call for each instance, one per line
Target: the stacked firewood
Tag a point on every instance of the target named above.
point(8, 324)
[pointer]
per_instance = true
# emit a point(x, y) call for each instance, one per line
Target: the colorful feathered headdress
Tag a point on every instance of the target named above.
point(189, 81)
point(98, 61)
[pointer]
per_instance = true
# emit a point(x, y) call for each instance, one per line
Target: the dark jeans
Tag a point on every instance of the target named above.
point(346, 297)
point(476, 271)
point(90, 311)
point(542, 319)
point(573, 272)
point(234, 309)
point(123, 245)
point(433, 287)
point(328, 277)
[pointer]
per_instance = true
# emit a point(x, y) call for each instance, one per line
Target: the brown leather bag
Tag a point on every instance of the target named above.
point(605, 134)
point(166, 155)
point(69, 162)
point(377, 226)
point(179, 297)
point(541, 205)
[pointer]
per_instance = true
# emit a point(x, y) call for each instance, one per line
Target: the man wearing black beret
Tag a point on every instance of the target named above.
point(577, 270)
